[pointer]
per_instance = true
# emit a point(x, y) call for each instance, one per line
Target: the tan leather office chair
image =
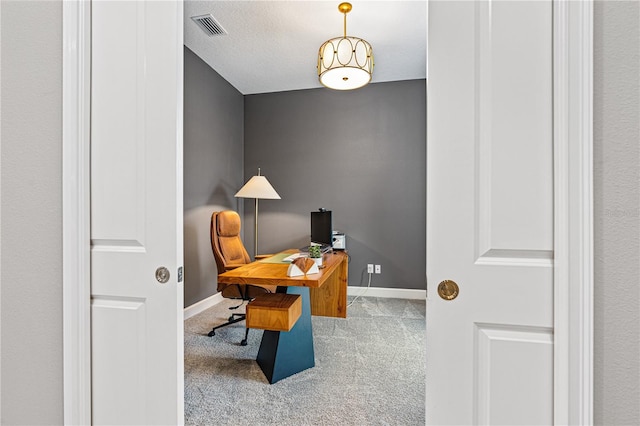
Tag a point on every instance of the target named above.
point(230, 253)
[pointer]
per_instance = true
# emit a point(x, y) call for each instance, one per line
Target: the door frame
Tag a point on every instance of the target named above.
point(76, 211)
point(573, 211)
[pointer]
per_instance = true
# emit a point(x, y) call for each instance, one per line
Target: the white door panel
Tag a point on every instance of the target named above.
point(512, 72)
point(136, 212)
point(512, 354)
point(490, 212)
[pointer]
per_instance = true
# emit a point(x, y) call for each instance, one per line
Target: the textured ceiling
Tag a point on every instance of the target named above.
point(272, 46)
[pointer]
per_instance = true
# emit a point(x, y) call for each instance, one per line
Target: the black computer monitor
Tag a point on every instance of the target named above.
point(322, 228)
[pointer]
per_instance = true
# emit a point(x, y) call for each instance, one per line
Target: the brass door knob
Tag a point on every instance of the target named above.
point(448, 290)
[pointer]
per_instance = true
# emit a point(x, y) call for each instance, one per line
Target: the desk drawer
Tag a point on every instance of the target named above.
point(274, 311)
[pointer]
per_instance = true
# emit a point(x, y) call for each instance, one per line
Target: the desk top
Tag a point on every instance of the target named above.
point(264, 273)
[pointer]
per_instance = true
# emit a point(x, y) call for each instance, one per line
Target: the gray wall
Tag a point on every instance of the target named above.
point(360, 154)
point(31, 311)
point(31, 242)
point(213, 153)
point(617, 212)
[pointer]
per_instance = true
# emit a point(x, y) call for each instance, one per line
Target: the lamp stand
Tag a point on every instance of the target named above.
point(255, 229)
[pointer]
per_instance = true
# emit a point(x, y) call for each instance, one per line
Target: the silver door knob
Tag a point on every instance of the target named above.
point(162, 275)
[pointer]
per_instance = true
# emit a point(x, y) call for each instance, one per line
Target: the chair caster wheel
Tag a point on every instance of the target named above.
point(212, 333)
point(243, 343)
point(231, 318)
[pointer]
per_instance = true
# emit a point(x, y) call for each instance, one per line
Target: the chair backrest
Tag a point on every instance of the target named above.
point(226, 244)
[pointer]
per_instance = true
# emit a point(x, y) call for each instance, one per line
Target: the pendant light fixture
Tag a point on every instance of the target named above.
point(345, 63)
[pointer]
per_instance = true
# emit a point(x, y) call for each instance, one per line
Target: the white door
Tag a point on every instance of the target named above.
point(490, 212)
point(136, 212)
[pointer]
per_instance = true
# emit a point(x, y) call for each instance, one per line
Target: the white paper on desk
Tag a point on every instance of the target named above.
point(294, 271)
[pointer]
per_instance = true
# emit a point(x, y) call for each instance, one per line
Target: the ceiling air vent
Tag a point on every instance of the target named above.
point(209, 25)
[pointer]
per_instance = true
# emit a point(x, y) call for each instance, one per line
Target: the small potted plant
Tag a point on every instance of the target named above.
point(316, 254)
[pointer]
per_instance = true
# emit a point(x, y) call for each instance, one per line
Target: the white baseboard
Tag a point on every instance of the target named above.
point(393, 293)
point(202, 305)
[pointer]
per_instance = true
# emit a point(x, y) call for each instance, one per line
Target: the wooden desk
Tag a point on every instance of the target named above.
point(284, 353)
point(328, 289)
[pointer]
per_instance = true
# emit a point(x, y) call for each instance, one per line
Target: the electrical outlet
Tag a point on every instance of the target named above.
point(377, 269)
point(370, 268)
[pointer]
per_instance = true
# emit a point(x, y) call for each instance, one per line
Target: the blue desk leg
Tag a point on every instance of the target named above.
point(284, 353)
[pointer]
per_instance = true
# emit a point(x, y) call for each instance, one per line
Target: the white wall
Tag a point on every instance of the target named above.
point(31, 203)
point(617, 212)
point(0, 217)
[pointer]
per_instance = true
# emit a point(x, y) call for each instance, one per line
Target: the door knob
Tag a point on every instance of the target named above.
point(162, 275)
point(448, 290)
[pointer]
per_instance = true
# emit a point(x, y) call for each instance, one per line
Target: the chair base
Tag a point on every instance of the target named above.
point(234, 318)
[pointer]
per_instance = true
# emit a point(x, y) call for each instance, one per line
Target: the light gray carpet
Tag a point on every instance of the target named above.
point(370, 370)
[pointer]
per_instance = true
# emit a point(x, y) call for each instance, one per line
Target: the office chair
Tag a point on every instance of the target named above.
point(229, 253)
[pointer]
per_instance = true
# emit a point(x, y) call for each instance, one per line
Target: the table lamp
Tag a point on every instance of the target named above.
point(257, 187)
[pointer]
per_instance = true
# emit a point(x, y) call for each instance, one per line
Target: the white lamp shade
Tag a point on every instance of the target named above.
point(258, 187)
